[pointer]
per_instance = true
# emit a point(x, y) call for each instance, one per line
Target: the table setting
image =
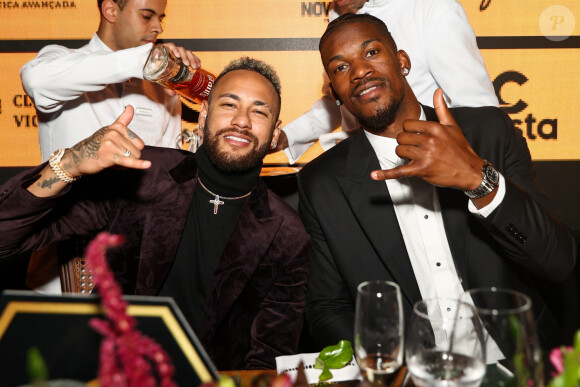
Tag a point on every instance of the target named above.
point(487, 337)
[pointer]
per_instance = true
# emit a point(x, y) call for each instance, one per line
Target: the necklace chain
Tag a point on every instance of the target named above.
point(216, 200)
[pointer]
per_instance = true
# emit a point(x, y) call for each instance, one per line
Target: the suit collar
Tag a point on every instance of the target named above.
point(163, 225)
point(369, 200)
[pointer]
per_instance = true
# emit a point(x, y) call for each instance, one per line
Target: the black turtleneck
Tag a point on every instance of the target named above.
point(205, 236)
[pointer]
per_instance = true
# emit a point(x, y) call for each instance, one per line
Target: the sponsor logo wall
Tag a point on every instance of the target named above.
point(530, 48)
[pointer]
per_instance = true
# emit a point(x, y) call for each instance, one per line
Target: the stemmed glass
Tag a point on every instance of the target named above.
point(510, 336)
point(445, 344)
point(378, 331)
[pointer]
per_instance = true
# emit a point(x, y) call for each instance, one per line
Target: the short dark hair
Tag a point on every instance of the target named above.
point(120, 3)
point(350, 18)
point(256, 65)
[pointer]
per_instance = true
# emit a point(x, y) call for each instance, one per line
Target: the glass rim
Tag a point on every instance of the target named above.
point(436, 299)
point(360, 286)
point(527, 301)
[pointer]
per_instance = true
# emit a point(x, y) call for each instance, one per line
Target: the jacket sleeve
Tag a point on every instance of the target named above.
point(30, 223)
point(59, 74)
point(278, 324)
point(524, 223)
point(329, 306)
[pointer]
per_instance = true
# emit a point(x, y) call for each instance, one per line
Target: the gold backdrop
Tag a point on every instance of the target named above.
point(530, 48)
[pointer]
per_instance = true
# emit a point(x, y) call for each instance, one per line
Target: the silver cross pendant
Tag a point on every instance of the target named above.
point(216, 203)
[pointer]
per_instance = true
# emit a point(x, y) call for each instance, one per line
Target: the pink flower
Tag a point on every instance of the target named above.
point(557, 359)
point(127, 357)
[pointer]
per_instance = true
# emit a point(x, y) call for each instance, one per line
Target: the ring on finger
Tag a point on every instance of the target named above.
point(127, 153)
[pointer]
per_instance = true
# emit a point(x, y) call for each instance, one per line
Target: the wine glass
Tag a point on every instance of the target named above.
point(378, 331)
point(510, 336)
point(445, 344)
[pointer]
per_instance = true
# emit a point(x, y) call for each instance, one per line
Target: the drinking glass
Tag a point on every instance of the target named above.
point(510, 336)
point(378, 331)
point(445, 344)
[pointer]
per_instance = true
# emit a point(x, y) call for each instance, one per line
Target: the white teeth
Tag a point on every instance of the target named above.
point(367, 90)
point(237, 139)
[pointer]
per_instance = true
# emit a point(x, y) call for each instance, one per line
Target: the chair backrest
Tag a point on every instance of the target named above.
point(75, 276)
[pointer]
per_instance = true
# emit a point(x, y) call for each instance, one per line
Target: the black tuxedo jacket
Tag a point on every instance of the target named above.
point(356, 236)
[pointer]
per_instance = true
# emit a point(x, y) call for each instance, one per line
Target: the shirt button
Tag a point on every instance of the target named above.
point(438, 264)
point(449, 309)
point(426, 216)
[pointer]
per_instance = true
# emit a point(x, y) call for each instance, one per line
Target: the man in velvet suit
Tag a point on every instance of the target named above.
point(202, 228)
point(437, 200)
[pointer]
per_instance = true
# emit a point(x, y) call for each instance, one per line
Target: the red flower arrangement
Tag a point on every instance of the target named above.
point(127, 357)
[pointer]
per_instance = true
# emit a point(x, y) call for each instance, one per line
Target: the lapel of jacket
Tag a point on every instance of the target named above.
point(163, 226)
point(251, 238)
point(453, 209)
point(372, 206)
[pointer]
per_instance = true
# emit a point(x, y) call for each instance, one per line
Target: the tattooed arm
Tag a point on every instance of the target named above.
point(109, 146)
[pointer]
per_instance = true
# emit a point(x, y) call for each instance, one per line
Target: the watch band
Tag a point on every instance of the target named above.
point(54, 162)
point(489, 182)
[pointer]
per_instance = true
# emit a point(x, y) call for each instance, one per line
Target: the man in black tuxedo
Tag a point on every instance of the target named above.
point(437, 200)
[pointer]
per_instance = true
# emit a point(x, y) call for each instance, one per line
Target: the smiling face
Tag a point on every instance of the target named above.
point(139, 22)
point(240, 121)
point(366, 73)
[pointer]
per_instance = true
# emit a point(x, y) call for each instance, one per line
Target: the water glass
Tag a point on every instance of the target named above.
point(445, 344)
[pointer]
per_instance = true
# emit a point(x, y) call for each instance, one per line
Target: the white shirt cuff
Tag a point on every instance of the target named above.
point(485, 211)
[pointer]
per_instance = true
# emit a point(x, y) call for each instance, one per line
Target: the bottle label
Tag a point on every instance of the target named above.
point(202, 83)
point(181, 74)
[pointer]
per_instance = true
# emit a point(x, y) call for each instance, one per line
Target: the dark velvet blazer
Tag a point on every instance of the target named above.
point(356, 236)
point(255, 303)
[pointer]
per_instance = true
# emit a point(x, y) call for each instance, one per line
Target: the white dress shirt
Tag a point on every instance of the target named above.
point(443, 50)
point(78, 91)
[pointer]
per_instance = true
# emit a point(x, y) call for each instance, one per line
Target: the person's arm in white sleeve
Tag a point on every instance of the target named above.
point(59, 74)
point(323, 117)
point(454, 58)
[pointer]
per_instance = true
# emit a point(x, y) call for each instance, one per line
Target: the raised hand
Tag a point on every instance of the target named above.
point(113, 145)
point(438, 152)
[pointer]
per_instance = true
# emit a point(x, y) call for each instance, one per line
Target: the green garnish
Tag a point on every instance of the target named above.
point(333, 357)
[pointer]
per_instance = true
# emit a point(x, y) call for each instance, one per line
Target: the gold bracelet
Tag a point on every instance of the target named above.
point(54, 162)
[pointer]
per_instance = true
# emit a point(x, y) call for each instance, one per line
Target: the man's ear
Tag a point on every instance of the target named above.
point(110, 10)
point(202, 115)
point(276, 133)
point(334, 95)
point(405, 61)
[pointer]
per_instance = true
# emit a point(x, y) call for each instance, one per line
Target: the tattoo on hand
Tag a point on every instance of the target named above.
point(131, 134)
point(87, 149)
point(49, 182)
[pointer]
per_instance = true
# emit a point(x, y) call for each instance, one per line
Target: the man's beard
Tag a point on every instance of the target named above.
point(384, 116)
point(229, 163)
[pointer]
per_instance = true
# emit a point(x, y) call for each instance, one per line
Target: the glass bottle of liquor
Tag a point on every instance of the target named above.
point(166, 69)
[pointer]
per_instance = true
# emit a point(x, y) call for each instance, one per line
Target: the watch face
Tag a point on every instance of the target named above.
point(492, 174)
